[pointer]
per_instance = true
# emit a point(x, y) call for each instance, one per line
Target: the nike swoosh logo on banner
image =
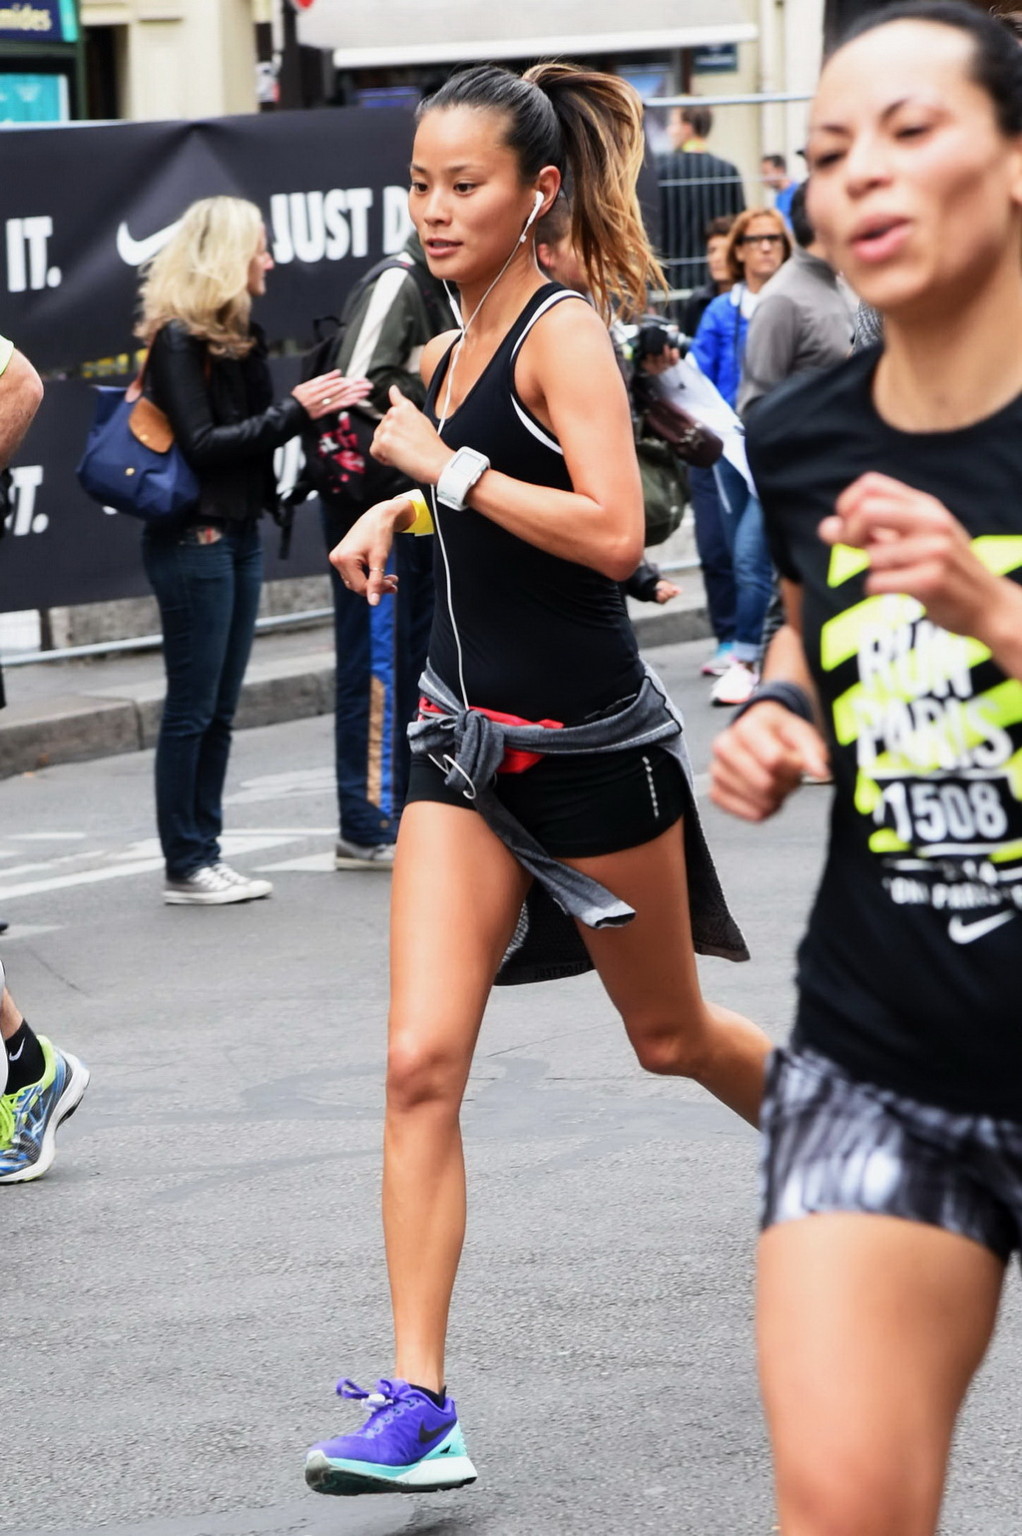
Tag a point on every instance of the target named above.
point(134, 252)
point(427, 1439)
point(967, 933)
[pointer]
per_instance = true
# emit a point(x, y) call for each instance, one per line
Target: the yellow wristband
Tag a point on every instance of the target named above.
point(423, 519)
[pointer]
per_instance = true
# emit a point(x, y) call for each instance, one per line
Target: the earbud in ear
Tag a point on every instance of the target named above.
point(536, 206)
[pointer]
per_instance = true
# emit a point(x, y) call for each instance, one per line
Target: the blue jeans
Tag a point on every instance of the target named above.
point(208, 596)
point(714, 553)
point(380, 656)
point(742, 523)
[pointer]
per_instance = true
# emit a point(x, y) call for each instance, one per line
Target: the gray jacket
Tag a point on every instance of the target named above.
point(804, 319)
point(470, 747)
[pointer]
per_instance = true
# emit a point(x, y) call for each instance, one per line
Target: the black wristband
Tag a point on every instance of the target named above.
point(788, 695)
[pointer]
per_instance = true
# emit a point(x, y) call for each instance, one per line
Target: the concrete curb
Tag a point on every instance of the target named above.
point(75, 727)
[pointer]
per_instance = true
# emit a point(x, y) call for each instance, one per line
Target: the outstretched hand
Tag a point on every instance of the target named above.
point(330, 392)
point(761, 758)
point(408, 442)
point(360, 559)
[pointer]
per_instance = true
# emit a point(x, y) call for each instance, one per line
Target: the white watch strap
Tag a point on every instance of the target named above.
point(458, 477)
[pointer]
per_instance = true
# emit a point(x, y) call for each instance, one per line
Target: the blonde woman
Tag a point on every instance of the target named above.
point(207, 370)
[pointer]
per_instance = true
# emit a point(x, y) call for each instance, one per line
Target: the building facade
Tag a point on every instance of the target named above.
point(164, 59)
point(152, 59)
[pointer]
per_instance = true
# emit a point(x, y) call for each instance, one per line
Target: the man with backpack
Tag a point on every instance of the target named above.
point(388, 318)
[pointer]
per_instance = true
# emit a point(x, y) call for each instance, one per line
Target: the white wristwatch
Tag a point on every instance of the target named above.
point(459, 476)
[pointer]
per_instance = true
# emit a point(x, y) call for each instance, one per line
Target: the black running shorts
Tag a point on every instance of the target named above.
point(831, 1143)
point(583, 805)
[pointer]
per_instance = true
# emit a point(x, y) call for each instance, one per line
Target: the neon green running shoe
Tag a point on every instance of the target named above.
point(30, 1117)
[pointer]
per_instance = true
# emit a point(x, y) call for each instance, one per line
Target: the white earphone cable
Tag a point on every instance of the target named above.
point(442, 422)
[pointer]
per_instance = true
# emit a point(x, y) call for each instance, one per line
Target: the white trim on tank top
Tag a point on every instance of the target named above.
point(527, 421)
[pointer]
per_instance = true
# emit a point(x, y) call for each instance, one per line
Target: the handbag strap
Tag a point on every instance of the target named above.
point(137, 385)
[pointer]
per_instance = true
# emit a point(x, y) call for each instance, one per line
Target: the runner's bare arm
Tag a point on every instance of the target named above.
point(760, 759)
point(569, 378)
point(21, 394)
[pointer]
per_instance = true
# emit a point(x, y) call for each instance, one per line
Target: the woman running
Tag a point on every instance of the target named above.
point(892, 492)
point(513, 828)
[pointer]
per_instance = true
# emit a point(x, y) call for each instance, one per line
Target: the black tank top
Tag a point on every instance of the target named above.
point(541, 637)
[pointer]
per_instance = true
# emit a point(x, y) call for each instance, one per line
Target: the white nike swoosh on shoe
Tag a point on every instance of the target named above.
point(14, 1055)
point(966, 933)
point(135, 252)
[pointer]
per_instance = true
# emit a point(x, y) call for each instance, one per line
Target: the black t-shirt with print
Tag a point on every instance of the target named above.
point(909, 972)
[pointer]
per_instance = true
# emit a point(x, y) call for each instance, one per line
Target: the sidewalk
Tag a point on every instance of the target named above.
point(67, 711)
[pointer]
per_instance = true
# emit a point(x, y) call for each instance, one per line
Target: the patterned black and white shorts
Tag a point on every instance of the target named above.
point(831, 1143)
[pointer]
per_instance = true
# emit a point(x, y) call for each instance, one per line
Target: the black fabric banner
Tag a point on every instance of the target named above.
point(83, 207)
point(61, 548)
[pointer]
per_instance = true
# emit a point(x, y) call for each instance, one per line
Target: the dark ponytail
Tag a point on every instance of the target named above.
point(997, 57)
point(588, 125)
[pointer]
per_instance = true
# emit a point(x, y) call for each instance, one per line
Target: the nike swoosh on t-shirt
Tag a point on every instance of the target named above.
point(135, 252)
point(966, 933)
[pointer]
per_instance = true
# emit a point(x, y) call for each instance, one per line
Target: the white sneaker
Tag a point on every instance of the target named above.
point(737, 685)
point(210, 887)
point(363, 855)
point(256, 888)
point(717, 664)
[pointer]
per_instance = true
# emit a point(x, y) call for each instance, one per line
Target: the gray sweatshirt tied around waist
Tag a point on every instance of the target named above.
point(470, 747)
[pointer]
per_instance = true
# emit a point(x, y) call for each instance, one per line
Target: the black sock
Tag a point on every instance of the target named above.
point(25, 1061)
point(439, 1398)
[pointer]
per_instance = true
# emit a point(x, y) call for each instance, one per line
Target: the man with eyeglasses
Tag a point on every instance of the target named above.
point(804, 318)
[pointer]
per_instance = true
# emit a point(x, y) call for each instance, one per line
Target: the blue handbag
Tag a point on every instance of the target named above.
point(131, 461)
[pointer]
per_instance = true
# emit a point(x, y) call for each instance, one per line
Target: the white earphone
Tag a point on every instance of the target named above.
point(533, 216)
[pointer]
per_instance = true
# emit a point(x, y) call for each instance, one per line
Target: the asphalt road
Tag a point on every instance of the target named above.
point(204, 1260)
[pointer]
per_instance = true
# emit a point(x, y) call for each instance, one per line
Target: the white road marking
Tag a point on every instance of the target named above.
point(83, 877)
point(314, 863)
point(46, 837)
point(295, 784)
point(143, 857)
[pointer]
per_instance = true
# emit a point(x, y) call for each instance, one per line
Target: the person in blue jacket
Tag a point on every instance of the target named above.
point(758, 245)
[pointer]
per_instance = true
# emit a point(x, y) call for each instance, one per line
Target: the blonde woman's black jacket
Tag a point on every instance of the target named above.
point(225, 422)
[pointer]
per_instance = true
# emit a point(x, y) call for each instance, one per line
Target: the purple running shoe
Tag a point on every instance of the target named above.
point(407, 1445)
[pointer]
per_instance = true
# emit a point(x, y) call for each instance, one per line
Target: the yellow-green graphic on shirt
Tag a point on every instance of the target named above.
point(939, 761)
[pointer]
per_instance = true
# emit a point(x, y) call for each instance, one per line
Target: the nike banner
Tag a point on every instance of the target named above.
point(83, 207)
point(62, 549)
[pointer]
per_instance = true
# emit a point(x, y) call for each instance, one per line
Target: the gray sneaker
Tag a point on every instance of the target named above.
point(363, 856)
point(256, 888)
point(211, 887)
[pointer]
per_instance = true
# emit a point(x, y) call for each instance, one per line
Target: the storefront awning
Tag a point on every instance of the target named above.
point(372, 34)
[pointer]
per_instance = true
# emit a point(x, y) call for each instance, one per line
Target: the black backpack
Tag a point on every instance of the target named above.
point(338, 467)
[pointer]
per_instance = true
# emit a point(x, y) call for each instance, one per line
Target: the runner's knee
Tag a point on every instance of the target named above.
point(666, 1047)
point(423, 1071)
point(845, 1496)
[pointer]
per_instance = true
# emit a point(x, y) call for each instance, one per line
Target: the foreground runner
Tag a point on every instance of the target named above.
point(539, 516)
point(892, 492)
